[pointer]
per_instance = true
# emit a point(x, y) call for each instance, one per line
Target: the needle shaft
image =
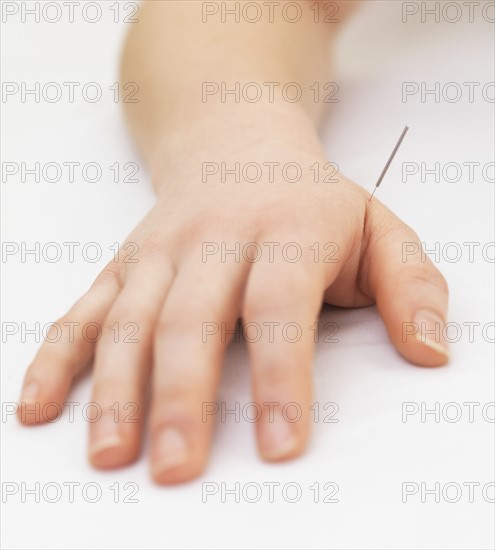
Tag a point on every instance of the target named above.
point(389, 162)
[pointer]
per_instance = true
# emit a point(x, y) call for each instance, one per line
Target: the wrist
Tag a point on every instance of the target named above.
point(232, 133)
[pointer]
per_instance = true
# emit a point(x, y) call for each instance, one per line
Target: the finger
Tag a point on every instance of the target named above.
point(123, 363)
point(68, 348)
point(190, 343)
point(281, 303)
point(411, 294)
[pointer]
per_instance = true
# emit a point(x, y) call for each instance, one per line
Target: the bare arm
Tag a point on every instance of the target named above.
point(180, 46)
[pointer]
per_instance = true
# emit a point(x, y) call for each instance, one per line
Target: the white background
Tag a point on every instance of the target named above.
point(370, 452)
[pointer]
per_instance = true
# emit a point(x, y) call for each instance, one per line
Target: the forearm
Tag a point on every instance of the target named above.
point(176, 48)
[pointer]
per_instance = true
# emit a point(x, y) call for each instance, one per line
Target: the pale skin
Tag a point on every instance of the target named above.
point(171, 291)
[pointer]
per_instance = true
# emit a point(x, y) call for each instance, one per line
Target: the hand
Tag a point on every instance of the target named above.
point(185, 294)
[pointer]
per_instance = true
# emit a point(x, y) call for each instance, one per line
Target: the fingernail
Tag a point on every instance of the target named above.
point(430, 327)
point(277, 437)
point(170, 450)
point(30, 392)
point(105, 435)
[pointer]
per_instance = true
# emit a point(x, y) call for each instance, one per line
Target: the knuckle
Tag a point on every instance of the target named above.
point(171, 330)
point(274, 375)
point(63, 341)
point(174, 404)
point(155, 248)
point(127, 312)
point(285, 289)
point(113, 273)
point(431, 277)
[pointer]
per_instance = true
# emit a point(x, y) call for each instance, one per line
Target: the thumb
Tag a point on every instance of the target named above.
point(410, 293)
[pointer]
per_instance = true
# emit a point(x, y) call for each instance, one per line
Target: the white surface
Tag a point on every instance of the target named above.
point(370, 452)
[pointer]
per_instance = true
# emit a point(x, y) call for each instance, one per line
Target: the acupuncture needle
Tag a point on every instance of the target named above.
point(389, 162)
